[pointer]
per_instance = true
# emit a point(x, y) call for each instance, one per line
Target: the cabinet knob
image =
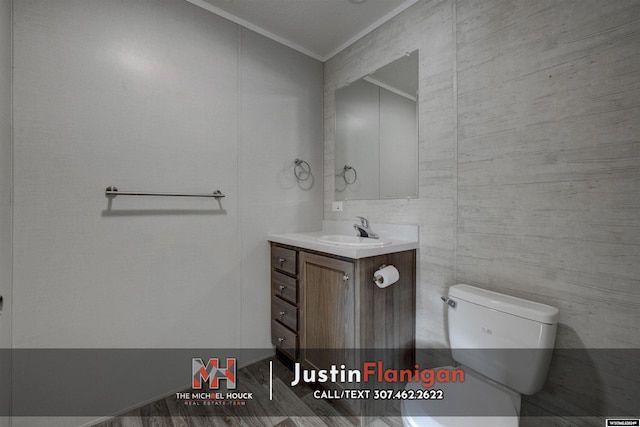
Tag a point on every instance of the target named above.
point(282, 287)
point(281, 261)
point(280, 339)
point(282, 313)
point(345, 277)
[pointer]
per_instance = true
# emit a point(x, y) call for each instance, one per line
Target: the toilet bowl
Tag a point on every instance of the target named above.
point(504, 345)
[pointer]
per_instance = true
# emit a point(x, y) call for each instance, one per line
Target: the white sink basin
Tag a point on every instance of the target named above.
point(346, 240)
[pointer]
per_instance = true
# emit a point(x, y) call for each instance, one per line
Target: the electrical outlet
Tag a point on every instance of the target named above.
point(337, 206)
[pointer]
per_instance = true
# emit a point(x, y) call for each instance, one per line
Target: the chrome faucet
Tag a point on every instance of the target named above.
point(363, 228)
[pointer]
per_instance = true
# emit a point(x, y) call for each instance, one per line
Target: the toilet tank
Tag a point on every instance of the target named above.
point(505, 338)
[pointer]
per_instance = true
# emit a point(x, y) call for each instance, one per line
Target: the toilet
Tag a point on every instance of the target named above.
point(503, 344)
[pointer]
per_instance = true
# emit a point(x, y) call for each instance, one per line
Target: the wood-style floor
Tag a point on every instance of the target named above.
point(293, 407)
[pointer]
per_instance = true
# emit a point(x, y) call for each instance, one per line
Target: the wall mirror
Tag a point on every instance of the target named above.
point(376, 140)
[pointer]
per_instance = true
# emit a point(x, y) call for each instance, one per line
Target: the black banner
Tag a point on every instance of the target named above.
point(242, 382)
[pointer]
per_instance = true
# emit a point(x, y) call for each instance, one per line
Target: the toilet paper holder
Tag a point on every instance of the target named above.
point(378, 279)
point(386, 275)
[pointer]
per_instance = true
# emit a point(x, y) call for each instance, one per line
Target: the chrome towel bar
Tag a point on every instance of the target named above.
point(112, 191)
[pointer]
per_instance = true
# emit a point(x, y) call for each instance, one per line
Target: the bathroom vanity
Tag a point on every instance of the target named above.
point(325, 303)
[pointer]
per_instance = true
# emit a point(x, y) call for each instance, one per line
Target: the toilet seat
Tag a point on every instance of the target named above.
point(484, 401)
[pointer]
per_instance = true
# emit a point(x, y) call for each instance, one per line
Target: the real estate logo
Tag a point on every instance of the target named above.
point(213, 372)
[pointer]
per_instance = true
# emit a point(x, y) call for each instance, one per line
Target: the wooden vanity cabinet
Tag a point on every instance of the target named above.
point(332, 302)
point(284, 300)
point(342, 308)
point(327, 322)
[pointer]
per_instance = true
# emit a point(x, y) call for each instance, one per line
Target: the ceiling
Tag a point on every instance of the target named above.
point(318, 28)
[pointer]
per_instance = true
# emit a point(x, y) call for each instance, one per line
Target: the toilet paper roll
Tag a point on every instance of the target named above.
point(386, 276)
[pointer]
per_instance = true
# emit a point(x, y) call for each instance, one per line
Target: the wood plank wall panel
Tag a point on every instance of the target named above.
point(429, 27)
point(548, 183)
point(548, 170)
point(529, 166)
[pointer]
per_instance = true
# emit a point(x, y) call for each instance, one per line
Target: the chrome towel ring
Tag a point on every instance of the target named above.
point(344, 174)
point(301, 170)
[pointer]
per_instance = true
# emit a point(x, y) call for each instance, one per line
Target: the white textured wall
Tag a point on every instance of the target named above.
point(144, 96)
point(5, 204)
point(5, 169)
point(282, 120)
point(159, 96)
point(529, 170)
point(155, 96)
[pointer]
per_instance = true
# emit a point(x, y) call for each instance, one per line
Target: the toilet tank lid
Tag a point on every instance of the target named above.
point(505, 303)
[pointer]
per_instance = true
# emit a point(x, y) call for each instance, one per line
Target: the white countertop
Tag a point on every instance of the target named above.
point(308, 240)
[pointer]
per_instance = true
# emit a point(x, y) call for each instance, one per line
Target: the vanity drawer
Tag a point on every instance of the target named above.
point(284, 286)
point(284, 313)
point(284, 259)
point(284, 339)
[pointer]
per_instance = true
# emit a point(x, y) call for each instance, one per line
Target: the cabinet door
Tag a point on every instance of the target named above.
point(328, 310)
